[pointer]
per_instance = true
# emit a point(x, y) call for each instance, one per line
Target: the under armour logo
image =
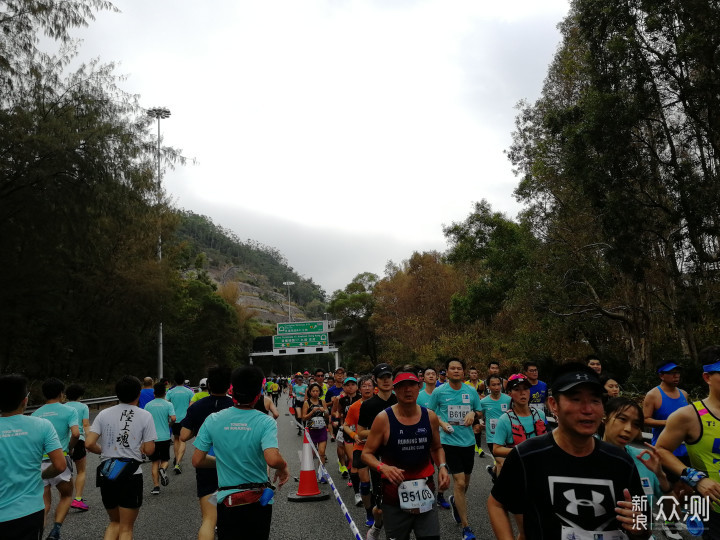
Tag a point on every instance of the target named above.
point(597, 498)
point(581, 377)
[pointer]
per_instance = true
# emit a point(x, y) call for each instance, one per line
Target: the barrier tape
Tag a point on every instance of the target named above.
point(338, 498)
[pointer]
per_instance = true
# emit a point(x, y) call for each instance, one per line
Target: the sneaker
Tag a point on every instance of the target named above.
point(491, 471)
point(79, 504)
point(155, 490)
point(456, 515)
point(358, 499)
point(344, 471)
point(178, 469)
point(54, 535)
point(671, 531)
point(480, 451)
point(442, 502)
point(164, 478)
point(369, 522)
point(373, 533)
point(468, 534)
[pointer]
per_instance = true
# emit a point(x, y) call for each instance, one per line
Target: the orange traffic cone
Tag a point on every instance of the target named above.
point(308, 490)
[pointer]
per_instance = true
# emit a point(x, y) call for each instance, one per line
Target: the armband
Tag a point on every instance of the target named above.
point(692, 476)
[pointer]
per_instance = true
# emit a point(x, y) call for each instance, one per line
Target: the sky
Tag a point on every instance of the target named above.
point(343, 133)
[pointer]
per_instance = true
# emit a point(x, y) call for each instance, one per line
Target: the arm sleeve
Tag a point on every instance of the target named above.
point(509, 489)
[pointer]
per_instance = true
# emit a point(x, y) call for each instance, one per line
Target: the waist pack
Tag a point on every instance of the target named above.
point(115, 469)
point(252, 493)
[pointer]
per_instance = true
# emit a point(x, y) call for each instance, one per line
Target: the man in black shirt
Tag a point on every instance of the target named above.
point(368, 411)
point(567, 484)
point(207, 479)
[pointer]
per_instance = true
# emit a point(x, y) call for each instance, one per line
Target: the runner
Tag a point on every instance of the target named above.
point(206, 479)
point(662, 401)
point(241, 458)
point(611, 386)
point(492, 408)
point(147, 394)
point(180, 396)
point(593, 362)
point(275, 391)
point(456, 404)
point(163, 414)
point(24, 442)
point(474, 381)
point(405, 435)
point(342, 404)
point(494, 369)
point(698, 426)
point(368, 411)
point(315, 414)
point(127, 432)
point(320, 379)
point(567, 484)
point(442, 378)
point(65, 421)
point(202, 393)
point(538, 389)
point(73, 393)
point(331, 395)
point(350, 435)
point(519, 423)
point(299, 389)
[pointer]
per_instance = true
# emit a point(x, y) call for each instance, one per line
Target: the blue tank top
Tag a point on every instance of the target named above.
point(668, 406)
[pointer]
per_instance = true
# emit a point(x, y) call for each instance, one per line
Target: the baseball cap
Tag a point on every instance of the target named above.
point(573, 378)
point(402, 377)
point(517, 380)
point(203, 383)
point(710, 368)
point(443, 372)
point(349, 380)
point(668, 367)
point(382, 369)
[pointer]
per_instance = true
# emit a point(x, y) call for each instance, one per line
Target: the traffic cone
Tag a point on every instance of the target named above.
point(308, 489)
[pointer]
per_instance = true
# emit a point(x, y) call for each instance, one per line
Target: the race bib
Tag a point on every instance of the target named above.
point(504, 407)
point(492, 423)
point(571, 533)
point(415, 496)
point(537, 406)
point(317, 422)
point(457, 413)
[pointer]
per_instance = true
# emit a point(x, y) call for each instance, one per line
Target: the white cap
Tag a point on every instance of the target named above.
point(203, 383)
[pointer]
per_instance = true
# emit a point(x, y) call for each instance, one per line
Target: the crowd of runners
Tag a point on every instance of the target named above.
point(406, 440)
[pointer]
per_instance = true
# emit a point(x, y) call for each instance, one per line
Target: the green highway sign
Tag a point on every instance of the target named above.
point(305, 327)
point(317, 339)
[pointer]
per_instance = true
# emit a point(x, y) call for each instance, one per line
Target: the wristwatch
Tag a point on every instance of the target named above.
point(443, 465)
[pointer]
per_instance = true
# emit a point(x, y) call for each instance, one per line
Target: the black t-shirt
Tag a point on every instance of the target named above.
point(202, 408)
point(372, 407)
point(557, 492)
point(344, 405)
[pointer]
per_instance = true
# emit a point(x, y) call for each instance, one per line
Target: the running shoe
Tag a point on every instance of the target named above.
point(79, 504)
point(456, 514)
point(468, 534)
point(373, 533)
point(54, 535)
point(442, 502)
point(358, 499)
point(491, 471)
point(480, 451)
point(178, 469)
point(344, 471)
point(155, 490)
point(671, 531)
point(369, 522)
point(164, 478)
point(349, 484)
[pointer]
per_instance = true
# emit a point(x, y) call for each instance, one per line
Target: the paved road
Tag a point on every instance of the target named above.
point(174, 514)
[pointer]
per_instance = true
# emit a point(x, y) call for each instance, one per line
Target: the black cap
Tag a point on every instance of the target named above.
point(382, 369)
point(571, 379)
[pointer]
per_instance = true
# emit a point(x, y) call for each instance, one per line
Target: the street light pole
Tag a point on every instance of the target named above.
point(288, 283)
point(159, 113)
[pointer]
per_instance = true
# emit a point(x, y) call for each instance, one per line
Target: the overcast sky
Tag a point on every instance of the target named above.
point(344, 133)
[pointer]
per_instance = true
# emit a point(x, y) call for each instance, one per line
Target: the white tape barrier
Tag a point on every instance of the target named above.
point(338, 498)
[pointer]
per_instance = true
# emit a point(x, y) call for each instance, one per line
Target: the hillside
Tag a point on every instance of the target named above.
point(258, 270)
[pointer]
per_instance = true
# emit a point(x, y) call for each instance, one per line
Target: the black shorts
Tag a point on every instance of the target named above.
point(79, 451)
point(176, 427)
point(459, 459)
point(162, 451)
point(356, 461)
point(249, 520)
point(207, 481)
point(28, 527)
point(127, 493)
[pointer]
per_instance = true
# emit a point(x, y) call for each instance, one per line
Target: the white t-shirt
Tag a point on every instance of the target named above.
point(122, 429)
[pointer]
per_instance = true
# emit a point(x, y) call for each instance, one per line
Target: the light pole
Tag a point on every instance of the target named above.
point(288, 283)
point(159, 113)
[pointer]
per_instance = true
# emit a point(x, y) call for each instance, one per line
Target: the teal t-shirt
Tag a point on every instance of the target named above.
point(23, 441)
point(648, 479)
point(161, 411)
point(83, 413)
point(423, 398)
point(492, 411)
point(62, 418)
point(299, 390)
point(239, 437)
point(451, 406)
point(503, 429)
point(180, 397)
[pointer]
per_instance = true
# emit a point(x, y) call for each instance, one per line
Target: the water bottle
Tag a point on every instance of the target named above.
point(267, 495)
